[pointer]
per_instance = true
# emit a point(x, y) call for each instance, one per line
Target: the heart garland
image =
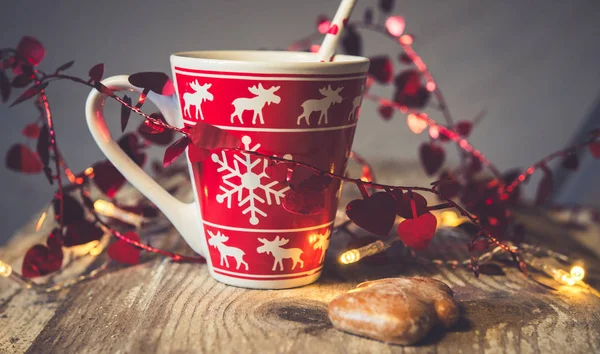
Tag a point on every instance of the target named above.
point(123, 252)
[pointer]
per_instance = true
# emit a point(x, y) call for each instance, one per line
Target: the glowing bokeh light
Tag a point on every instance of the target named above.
point(416, 124)
point(395, 25)
point(577, 273)
point(324, 27)
point(350, 256)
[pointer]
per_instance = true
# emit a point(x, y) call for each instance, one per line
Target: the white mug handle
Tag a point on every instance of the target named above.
point(182, 215)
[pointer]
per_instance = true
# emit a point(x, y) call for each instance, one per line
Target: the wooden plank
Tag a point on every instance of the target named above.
point(161, 306)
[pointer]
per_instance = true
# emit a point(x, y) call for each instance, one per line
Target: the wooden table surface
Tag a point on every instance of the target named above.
point(161, 306)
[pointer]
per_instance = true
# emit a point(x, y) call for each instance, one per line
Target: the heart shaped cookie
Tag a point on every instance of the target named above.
point(395, 310)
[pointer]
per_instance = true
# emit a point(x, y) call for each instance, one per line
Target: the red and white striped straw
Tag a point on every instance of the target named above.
point(336, 28)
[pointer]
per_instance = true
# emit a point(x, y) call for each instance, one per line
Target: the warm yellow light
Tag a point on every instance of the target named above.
point(350, 256)
point(89, 172)
point(40, 222)
point(355, 255)
point(97, 249)
point(416, 123)
point(70, 175)
point(567, 279)
point(105, 208)
point(5, 269)
point(450, 218)
point(312, 238)
point(577, 273)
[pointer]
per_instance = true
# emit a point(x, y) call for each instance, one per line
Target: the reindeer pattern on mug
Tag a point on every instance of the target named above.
point(218, 241)
point(321, 242)
point(255, 104)
point(320, 105)
point(279, 253)
point(196, 98)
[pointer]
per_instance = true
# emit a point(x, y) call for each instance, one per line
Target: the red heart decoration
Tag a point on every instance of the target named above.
point(448, 186)
point(96, 72)
point(277, 171)
point(304, 203)
point(333, 29)
point(41, 260)
point(175, 149)
point(132, 147)
point(410, 91)
point(154, 81)
point(154, 132)
point(381, 69)
point(82, 232)
point(386, 112)
point(432, 157)
point(375, 214)
point(72, 210)
point(108, 179)
point(31, 49)
point(463, 128)
point(306, 180)
point(207, 136)
point(21, 159)
point(417, 233)
point(595, 149)
point(345, 22)
point(403, 207)
point(31, 130)
point(124, 252)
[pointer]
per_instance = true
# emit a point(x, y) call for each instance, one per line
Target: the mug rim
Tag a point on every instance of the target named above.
point(269, 61)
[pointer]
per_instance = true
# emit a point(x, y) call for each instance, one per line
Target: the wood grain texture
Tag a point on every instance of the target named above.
point(161, 306)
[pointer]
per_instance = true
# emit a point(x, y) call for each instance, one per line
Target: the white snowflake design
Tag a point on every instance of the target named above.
point(236, 180)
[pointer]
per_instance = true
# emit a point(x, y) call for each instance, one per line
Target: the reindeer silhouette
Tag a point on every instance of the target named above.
point(196, 98)
point(256, 103)
point(218, 241)
point(321, 242)
point(320, 105)
point(274, 248)
point(355, 107)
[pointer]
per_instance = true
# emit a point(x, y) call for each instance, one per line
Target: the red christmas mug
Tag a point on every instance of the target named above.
point(286, 104)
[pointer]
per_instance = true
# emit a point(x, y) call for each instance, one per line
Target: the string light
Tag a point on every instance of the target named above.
point(450, 218)
point(577, 273)
point(546, 265)
point(355, 255)
point(5, 269)
point(89, 172)
point(406, 39)
point(40, 221)
point(105, 208)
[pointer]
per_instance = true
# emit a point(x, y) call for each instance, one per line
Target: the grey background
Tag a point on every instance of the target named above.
point(532, 64)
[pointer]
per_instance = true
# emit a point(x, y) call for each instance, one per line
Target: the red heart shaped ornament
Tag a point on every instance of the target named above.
point(41, 260)
point(417, 233)
point(375, 214)
point(124, 252)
